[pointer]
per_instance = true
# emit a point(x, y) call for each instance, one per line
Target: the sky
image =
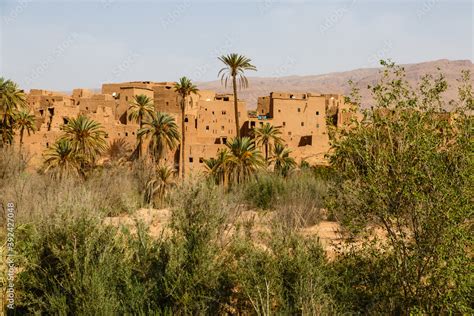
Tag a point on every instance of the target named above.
point(61, 45)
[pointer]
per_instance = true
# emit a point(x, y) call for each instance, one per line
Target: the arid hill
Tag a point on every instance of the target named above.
point(338, 82)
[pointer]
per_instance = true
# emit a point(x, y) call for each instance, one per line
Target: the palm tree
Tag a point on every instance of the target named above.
point(216, 168)
point(12, 99)
point(243, 159)
point(24, 121)
point(86, 136)
point(164, 134)
point(267, 136)
point(139, 110)
point(118, 151)
point(184, 88)
point(160, 184)
point(235, 65)
point(62, 159)
point(281, 159)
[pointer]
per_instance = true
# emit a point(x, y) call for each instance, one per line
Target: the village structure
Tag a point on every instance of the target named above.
point(209, 121)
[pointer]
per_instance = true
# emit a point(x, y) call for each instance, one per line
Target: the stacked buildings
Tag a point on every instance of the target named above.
point(209, 119)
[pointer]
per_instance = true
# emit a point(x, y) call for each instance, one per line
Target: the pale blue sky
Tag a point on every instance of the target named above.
point(61, 45)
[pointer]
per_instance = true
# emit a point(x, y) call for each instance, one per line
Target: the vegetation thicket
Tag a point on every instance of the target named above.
point(399, 185)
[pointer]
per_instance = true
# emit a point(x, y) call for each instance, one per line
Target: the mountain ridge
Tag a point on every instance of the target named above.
point(337, 82)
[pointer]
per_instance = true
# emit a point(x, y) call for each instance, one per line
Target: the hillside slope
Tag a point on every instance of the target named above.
point(338, 82)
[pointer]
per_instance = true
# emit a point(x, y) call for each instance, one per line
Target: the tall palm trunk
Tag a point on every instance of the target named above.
point(183, 104)
point(22, 130)
point(236, 106)
point(140, 142)
point(266, 152)
point(4, 131)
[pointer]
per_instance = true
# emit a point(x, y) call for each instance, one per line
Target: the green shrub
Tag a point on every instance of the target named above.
point(77, 266)
point(406, 169)
point(289, 275)
point(263, 191)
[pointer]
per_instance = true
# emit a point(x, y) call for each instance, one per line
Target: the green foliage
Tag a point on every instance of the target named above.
point(158, 187)
point(243, 159)
point(61, 159)
point(235, 164)
point(141, 108)
point(163, 133)
point(198, 280)
point(282, 162)
point(263, 191)
point(77, 266)
point(185, 88)
point(24, 121)
point(87, 138)
point(267, 136)
point(297, 199)
point(12, 100)
point(289, 277)
point(235, 66)
point(407, 169)
point(400, 184)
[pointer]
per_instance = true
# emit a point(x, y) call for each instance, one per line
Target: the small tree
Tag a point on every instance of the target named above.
point(12, 99)
point(163, 133)
point(61, 159)
point(24, 121)
point(87, 138)
point(243, 159)
point(160, 184)
point(267, 136)
point(140, 109)
point(407, 169)
point(282, 161)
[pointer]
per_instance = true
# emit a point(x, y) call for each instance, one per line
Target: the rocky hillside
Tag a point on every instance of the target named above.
point(338, 82)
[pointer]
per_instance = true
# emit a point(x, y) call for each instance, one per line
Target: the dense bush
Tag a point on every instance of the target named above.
point(407, 170)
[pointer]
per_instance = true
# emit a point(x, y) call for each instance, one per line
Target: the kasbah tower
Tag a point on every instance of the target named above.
point(209, 119)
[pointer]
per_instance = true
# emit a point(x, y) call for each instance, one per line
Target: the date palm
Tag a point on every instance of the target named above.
point(267, 136)
point(163, 133)
point(24, 121)
point(184, 88)
point(117, 152)
point(12, 99)
point(61, 159)
point(216, 167)
point(235, 66)
point(86, 136)
point(160, 184)
point(281, 160)
point(243, 159)
point(140, 109)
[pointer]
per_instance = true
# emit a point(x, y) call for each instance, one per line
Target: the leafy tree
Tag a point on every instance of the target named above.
point(140, 109)
point(24, 121)
point(86, 136)
point(243, 159)
point(163, 133)
point(61, 159)
point(406, 169)
point(281, 160)
point(267, 136)
point(12, 99)
point(235, 66)
point(184, 88)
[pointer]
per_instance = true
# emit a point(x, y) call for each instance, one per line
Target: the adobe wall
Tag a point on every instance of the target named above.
point(209, 120)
